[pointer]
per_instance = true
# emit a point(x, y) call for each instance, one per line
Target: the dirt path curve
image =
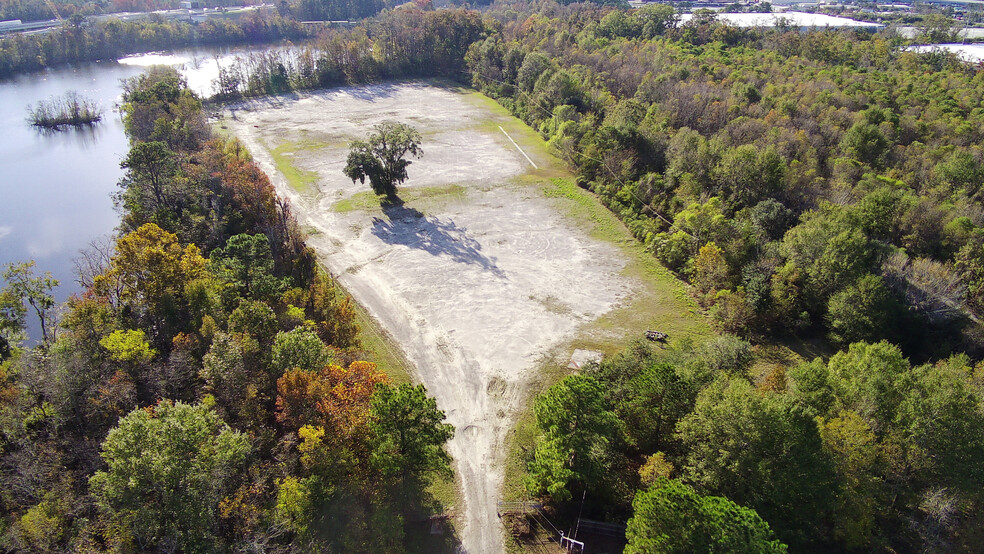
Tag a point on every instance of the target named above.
point(476, 277)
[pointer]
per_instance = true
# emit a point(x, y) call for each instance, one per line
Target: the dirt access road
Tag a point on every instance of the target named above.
point(477, 276)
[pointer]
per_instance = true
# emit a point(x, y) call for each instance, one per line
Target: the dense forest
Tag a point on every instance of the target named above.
point(815, 186)
point(205, 393)
point(818, 184)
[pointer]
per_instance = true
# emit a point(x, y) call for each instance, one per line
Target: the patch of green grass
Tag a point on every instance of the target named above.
point(221, 129)
point(528, 139)
point(452, 190)
point(365, 200)
point(444, 490)
point(284, 155)
point(521, 442)
point(381, 349)
point(420, 197)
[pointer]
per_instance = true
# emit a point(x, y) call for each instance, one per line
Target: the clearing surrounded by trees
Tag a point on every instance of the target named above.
point(483, 269)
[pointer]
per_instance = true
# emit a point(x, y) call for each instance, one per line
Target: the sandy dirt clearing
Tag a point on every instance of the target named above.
point(475, 276)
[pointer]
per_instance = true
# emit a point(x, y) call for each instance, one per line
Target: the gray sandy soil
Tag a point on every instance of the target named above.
point(475, 282)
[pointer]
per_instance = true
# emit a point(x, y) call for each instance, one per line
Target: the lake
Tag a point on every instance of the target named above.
point(56, 187)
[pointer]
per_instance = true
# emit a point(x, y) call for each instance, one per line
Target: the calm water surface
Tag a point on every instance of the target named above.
point(56, 188)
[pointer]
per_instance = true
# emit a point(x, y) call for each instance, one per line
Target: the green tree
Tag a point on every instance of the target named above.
point(756, 449)
point(941, 415)
point(810, 385)
point(150, 182)
point(580, 437)
point(670, 517)
point(382, 157)
point(969, 264)
point(247, 264)
point(771, 218)
point(256, 319)
point(869, 379)
point(128, 346)
point(298, 348)
point(407, 432)
point(23, 286)
point(831, 251)
point(12, 314)
point(167, 469)
point(865, 143)
point(937, 28)
point(746, 174)
point(654, 400)
point(864, 311)
point(726, 354)
point(880, 213)
point(159, 106)
point(227, 370)
point(656, 19)
point(854, 448)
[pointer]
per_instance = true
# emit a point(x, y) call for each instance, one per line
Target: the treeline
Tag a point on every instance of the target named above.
point(37, 10)
point(205, 393)
point(398, 44)
point(865, 452)
point(352, 10)
point(115, 38)
point(338, 10)
point(805, 183)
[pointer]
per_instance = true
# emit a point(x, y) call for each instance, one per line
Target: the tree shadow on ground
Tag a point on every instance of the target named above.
point(427, 525)
point(369, 93)
point(398, 517)
point(411, 228)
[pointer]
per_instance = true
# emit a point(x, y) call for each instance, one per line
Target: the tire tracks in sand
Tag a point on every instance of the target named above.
point(471, 268)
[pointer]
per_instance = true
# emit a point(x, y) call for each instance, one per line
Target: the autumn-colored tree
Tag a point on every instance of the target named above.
point(331, 310)
point(333, 398)
point(128, 346)
point(710, 268)
point(150, 271)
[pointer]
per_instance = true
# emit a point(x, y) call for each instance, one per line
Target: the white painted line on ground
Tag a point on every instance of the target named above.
point(518, 148)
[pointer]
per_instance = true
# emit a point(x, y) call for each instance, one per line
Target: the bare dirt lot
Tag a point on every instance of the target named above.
point(477, 276)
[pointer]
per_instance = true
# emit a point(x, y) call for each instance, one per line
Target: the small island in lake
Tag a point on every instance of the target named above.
point(71, 109)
